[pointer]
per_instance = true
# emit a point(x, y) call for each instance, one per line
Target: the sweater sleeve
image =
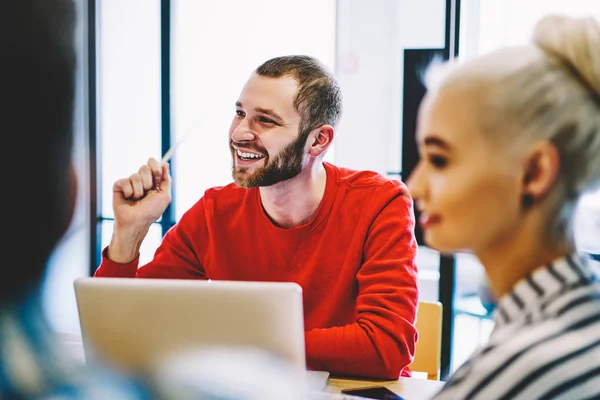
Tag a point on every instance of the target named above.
point(381, 343)
point(177, 257)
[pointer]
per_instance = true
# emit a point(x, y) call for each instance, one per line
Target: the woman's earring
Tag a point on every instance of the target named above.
point(527, 200)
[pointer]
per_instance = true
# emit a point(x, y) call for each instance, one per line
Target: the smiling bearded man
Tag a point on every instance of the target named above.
point(345, 236)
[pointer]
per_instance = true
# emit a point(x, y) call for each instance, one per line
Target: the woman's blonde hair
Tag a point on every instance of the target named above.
point(547, 90)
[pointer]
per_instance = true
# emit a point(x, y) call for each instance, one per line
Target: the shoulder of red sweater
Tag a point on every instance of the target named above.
point(366, 178)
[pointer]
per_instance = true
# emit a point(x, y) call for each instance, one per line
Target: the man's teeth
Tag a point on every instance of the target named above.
point(249, 155)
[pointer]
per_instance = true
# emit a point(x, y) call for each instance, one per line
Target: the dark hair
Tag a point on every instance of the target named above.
point(319, 98)
point(37, 75)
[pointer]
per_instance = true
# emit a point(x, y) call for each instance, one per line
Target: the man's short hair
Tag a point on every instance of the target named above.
point(319, 98)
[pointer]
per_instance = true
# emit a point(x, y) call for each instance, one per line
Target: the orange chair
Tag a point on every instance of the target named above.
point(429, 344)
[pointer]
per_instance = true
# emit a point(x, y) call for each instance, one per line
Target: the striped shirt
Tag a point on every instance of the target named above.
point(545, 343)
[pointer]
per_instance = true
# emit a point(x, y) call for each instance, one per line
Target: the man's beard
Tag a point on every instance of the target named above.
point(287, 164)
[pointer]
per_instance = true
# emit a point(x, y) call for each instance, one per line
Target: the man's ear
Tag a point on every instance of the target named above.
point(321, 139)
point(541, 171)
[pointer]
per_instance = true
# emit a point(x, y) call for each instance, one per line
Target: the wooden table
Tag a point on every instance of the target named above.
point(408, 388)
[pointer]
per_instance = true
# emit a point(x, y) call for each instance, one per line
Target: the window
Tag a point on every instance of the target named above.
point(587, 223)
point(214, 51)
point(128, 97)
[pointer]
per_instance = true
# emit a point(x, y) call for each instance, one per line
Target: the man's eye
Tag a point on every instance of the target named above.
point(438, 161)
point(266, 120)
point(240, 113)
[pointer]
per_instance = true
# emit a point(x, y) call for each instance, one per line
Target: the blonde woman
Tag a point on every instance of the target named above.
point(509, 142)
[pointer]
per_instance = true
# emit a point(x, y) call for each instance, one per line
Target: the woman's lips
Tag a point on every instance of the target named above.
point(427, 221)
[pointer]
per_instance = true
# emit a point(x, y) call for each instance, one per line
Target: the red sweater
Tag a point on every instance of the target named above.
point(355, 261)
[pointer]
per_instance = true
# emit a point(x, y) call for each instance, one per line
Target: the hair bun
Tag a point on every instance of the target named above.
point(576, 42)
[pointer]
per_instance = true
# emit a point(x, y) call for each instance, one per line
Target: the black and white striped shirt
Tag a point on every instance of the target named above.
point(545, 343)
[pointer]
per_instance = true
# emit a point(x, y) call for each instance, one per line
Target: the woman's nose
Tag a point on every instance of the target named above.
point(415, 182)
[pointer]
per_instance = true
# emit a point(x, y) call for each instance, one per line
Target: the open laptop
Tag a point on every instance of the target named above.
point(137, 323)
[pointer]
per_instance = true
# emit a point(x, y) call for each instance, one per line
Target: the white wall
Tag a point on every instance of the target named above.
point(372, 37)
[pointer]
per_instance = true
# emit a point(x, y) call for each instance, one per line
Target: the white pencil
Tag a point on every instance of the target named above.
point(169, 154)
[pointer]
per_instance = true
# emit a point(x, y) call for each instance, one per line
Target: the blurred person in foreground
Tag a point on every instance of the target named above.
point(509, 142)
point(37, 78)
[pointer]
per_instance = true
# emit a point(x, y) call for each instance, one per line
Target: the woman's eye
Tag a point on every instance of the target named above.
point(438, 161)
point(240, 113)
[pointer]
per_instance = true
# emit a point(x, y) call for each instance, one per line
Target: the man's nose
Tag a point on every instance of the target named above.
point(242, 132)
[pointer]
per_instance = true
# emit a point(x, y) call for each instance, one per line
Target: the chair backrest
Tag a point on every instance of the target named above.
point(429, 344)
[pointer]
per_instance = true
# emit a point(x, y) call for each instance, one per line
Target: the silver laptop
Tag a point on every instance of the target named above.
point(137, 323)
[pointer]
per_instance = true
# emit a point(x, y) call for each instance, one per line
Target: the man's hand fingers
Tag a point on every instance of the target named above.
point(157, 171)
point(137, 185)
point(123, 186)
point(153, 175)
point(165, 184)
point(147, 179)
